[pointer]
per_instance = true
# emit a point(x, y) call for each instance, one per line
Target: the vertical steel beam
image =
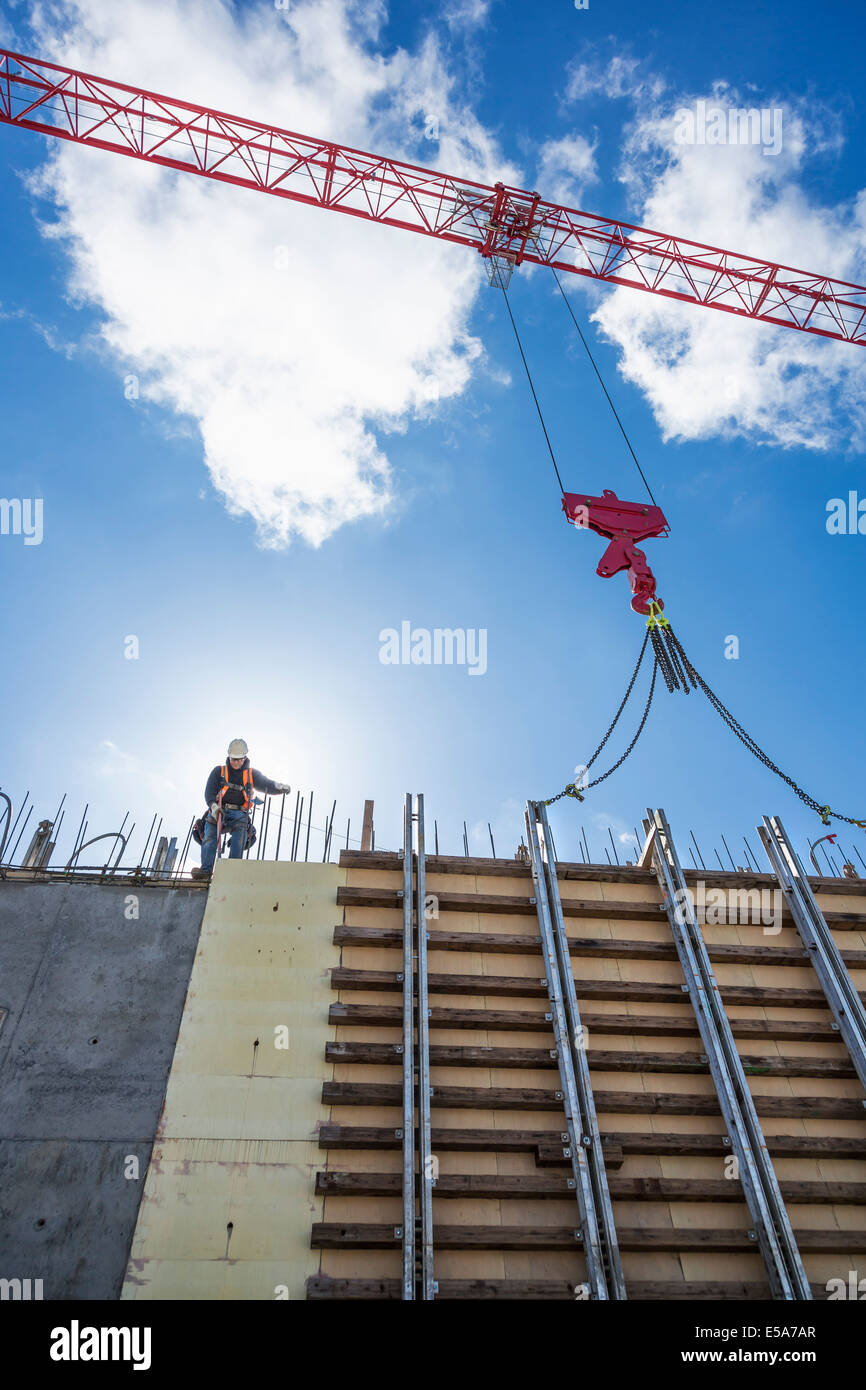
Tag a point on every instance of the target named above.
point(590, 1138)
point(589, 1234)
point(842, 997)
point(427, 1163)
point(408, 1135)
point(772, 1228)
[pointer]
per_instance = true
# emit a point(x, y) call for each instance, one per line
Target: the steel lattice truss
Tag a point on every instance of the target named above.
point(506, 224)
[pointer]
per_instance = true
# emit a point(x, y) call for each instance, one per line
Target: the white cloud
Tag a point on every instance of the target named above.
point(46, 332)
point(603, 822)
point(289, 335)
point(614, 79)
point(466, 14)
point(707, 374)
point(565, 167)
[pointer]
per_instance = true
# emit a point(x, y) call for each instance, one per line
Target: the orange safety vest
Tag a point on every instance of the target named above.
point(247, 786)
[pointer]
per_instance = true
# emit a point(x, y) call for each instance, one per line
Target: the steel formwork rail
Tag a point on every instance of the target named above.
point(840, 992)
point(408, 1135)
point(509, 223)
point(772, 1227)
point(427, 1163)
point(416, 1232)
point(590, 1235)
point(591, 1137)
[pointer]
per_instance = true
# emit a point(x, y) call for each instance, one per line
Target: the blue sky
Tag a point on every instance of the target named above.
point(744, 431)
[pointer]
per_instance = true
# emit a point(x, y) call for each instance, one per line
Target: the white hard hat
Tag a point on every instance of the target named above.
point(237, 748)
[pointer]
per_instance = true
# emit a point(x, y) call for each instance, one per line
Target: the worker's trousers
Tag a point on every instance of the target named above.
point(234, 820)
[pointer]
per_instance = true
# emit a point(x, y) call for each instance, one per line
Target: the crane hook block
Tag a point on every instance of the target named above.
point(623, 524)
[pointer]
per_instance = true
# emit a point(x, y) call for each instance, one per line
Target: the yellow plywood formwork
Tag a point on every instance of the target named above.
point(230, 1192)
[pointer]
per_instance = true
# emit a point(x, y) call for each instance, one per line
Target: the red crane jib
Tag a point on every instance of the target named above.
point(623, 524)
point(505, 223)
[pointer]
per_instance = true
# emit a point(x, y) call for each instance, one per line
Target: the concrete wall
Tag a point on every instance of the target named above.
point(230, 1195)
point(94, 997)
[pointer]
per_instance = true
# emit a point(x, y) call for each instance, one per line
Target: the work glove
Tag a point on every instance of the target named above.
point(282, 787)
point(214, 809)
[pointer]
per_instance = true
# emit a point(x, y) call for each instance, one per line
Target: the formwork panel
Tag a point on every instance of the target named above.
point(263, 960)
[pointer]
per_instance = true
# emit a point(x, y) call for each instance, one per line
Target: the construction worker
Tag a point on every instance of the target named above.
point(230, 790)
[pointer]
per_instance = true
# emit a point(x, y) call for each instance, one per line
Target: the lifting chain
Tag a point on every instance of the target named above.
point(678, 673)
point(572, 790)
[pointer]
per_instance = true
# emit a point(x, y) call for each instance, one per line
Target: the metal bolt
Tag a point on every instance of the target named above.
point(586, 1141)
point(566, 1153)
point(564, 1138)
point(398, 1047)
point(578, 1235)
point(726, 1141)
point(557, 1095)
point(704, 1057)
point(400, 977)
point(398, 1232)
point(752, 1236)
point(548, 1018)
point(571, 1183)
point(553, 1052)
point(532, 904)
point(543, 980)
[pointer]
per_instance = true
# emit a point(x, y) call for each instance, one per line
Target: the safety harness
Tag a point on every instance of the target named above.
point(246, 787)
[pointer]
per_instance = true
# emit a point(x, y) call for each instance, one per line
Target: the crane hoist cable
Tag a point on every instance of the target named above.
point(531, 383)
point(501, 283)
point(679, 673)
point(623, 523)
point(603, 387)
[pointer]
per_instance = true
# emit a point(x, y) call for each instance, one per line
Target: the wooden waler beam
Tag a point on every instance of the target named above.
point(518, 986)
point(542, 1143)
point(512, 943)
point(385, 1016)
point(522, 905)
